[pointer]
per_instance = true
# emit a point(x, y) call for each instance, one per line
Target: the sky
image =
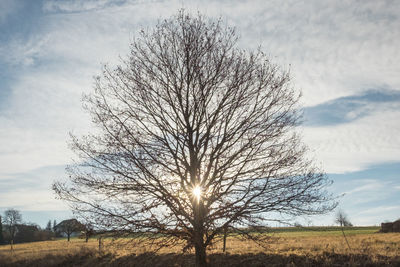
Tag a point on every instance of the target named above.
point(343, 56)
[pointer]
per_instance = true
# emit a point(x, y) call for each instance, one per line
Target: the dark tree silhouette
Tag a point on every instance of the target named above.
point(194, 135)
point(48, 226)
point(12, 218)
point(69, 226)
point(27, 233)
point(1, 231)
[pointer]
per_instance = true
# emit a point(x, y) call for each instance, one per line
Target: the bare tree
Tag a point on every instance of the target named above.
point(69, 226)
point(193, 135)
point(342, 219)
point(12, 218)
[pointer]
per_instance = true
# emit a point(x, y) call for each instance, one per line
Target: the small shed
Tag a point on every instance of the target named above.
point(390, 227)
point(396, 226)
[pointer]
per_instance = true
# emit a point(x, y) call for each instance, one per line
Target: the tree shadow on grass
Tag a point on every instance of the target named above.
point(92, 258)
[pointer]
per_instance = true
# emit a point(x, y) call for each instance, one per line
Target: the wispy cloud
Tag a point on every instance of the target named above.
point(346, 147)
point(381, 209)
point(23, 52)
point(77, 5)
point(367, 186)
point(370, 191)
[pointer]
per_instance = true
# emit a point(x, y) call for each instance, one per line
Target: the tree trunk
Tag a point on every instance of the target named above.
point(200, 248)
point(100, 244)
point(201, 257)
point(11, 243)
point(68, 235)
point(225, 233)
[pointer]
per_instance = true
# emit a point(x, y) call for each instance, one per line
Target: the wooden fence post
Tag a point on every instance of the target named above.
point(100, 244)
point(225, 234)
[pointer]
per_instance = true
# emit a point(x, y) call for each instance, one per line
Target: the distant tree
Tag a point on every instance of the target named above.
point(69, 226)
point(1, 231)
point(41, 235)
point(12, 218)
point(48, 227)
point(194, 135)
point(27, 233)
point(89, 231)
point(342, 219)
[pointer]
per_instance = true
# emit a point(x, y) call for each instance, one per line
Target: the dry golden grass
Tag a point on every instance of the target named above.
point(283, 250)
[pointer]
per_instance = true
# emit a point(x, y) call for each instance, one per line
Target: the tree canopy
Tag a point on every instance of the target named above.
point(193, 135)
point(69, 226)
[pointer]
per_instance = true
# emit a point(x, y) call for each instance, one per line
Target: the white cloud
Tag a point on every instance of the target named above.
point(75, 5)
point(31, 190)
point(57, 66)
point(44, 107)
point(32, 200)
point(335, 48)
point(336, 51)
point(353, 146)
point(22, 52)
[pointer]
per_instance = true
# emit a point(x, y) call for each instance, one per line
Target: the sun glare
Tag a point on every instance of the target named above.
point(197, 192)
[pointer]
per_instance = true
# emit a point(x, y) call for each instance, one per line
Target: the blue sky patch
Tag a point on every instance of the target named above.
point(349, 108)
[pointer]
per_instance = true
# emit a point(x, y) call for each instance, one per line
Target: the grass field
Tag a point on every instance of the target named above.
point(286, 247)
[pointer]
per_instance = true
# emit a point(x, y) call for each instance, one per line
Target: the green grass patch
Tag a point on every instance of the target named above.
point(321, 231)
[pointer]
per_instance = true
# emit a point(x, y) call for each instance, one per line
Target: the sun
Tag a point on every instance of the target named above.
point(197, 192)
